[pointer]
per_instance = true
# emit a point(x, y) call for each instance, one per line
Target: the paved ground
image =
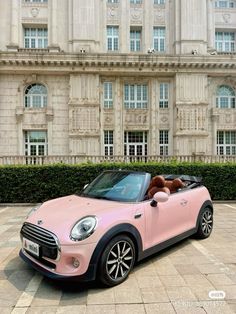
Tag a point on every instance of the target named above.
point(176, 281)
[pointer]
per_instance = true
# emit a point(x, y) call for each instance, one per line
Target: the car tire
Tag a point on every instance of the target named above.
point(205, 223)
point(117, 261)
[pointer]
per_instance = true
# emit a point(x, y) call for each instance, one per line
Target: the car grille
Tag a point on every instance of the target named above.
point(48, 241)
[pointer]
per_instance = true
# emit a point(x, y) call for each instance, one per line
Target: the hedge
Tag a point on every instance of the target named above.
point(35, 184)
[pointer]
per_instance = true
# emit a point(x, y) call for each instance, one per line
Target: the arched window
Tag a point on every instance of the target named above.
point(225, 97)
point(36, 96)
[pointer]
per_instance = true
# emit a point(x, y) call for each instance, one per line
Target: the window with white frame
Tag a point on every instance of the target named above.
point(36, 38)
point(112, 38)
point(108, 143)
point(164, 95)
point(35, 96)
point(225, 4)
point(135, 143)
point(36, 0)
point(135, 39)
point(225, 97)
point(135, 96)
point(159, 1)
point(159, 38)
point(107, 95)
point(225, 41)
point(36, 143)
point(112, 1)
point(226, 143)
point(164, 142)
point(136, 1)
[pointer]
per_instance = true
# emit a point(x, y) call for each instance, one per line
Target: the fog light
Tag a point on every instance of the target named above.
point(76, 262)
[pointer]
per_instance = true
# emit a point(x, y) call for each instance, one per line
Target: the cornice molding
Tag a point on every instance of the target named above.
point(45, 60)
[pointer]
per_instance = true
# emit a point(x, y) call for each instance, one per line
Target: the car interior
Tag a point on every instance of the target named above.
point(160, 184)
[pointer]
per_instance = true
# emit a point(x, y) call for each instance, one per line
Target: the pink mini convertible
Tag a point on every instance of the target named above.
point(117, 220)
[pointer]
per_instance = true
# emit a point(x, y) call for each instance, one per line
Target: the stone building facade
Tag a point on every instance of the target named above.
point(117, 77)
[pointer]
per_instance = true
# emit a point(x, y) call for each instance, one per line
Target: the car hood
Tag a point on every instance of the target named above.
point(60, 215)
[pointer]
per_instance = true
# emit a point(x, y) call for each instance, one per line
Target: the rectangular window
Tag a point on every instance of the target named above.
point(225, 4)
point(135, 143)
point(135, 96)
point(36, 143)
point(159, 35)
point(107, 95)
point(108, 143)
point(159, 1)
point(135, 40)
point(36, 0)
point(164, 95)
point(112, 1)
point(226, 143)
point(225, 41)
point(164, 142)
point(112, 38)
point(36, 38)
point(136, 1)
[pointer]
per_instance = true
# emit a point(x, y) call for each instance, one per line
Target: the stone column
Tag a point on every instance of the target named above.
point(54, 30)
point(210, 25)
point(70, 25)
point(14, 40)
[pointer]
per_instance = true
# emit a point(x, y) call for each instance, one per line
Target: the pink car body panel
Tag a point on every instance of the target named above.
point(155, 225)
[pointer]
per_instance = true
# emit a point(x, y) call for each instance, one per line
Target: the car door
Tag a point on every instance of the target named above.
point(167, 219)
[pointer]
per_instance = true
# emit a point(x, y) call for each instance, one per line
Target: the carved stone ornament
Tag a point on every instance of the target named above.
point(159, 16)
point(136, 14)
point(226, 17)
point(112, 13)
point(164, 119)
point(34, 12)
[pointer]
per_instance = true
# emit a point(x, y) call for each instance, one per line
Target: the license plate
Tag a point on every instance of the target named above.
point(31, 246)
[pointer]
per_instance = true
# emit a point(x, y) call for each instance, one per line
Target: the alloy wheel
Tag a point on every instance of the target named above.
point(119, 260)
point(207, 222)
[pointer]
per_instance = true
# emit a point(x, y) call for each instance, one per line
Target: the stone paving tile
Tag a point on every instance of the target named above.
point(160, 308)
point(187, 269)
point(5, 310)
point(73, 309)
point(150, 295)
point(173, 280)
point(43, 310)
point(130, 308)
point(100, 309)
point(149, 281)
point(180, 294)
point(101, 296)
point(219, 280)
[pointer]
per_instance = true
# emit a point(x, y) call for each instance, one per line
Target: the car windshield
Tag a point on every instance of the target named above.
point(116, 186)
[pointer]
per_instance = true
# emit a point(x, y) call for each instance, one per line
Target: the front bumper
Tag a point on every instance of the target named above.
point(89, 275)
point(63, 267)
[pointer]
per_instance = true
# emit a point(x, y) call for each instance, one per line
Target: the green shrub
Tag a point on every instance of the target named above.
point(32, 184)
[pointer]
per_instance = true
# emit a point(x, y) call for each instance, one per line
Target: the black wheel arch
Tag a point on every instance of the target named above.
point(124, 228)
point(208, 204)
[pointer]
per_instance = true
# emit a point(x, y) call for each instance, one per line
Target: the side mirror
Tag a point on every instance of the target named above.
point(159, 197)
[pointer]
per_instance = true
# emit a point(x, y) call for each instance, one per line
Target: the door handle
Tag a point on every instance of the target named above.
point(138, 215)
point(183, 202)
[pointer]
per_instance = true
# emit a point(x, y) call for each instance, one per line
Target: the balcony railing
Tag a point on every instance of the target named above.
point(77, 159)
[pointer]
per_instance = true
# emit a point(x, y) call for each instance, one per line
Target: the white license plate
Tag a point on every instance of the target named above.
point(30, 246)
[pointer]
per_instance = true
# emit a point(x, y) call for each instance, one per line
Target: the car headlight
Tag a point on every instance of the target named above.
point(83, 228)
point(32, 210)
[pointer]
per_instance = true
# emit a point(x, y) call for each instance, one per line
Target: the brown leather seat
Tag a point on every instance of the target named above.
point(157, 185)
point(176, 185)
